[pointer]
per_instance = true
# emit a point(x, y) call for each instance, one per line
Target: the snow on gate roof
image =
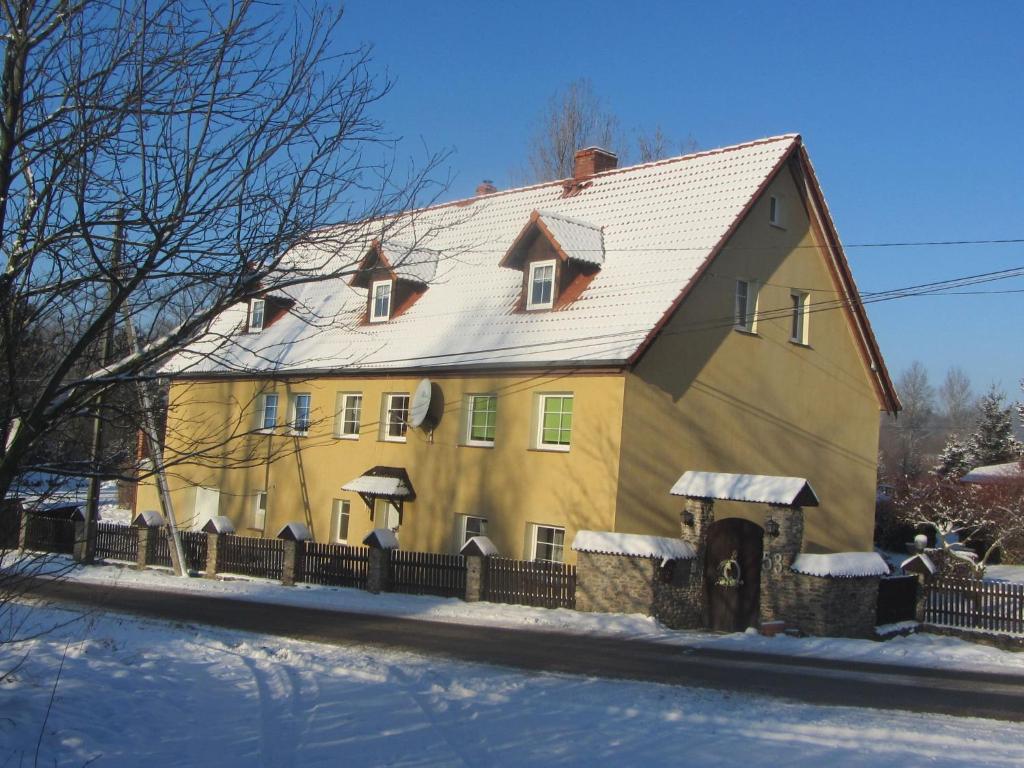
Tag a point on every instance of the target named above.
point(632, 544)
point(841, 565)
point(764, 489)
point(649, 227)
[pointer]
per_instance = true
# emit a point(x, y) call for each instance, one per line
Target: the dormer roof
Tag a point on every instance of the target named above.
point(572, 239)
point(402, 261)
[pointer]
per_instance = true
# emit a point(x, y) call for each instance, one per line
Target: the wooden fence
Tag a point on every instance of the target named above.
point(973, 604)
point(524, 582)
point(247, 556)
point(335, 565)
point(117, 542)
point(426, 573)
point(897, 599)
point(193, 542)
point(49, 534)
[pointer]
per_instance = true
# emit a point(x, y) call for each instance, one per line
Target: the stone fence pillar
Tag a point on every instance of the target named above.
point(147, 544)
point(212, 545)
point(294, 562)
point(378, 573)
point(476, 575)
point(697, 515)
point(783, 540)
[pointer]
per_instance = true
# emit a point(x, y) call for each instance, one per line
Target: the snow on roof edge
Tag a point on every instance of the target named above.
point(633, 545)
point(841, 565)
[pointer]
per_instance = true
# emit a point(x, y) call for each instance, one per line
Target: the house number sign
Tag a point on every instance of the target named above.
point(772, 563)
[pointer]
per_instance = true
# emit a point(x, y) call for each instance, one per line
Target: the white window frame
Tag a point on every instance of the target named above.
point(342, 407)
point(385, 421)
point(380, 510)
point(471, 400)
point(535, 540)
point(341, 509)
point(375, 316)
point(798, 320)
point(252, 325)
point(776, 212)
point(538, 436)
point(462, 529)
point(261, 413)
point(748, 322)
point(260, 506)
point(534, 266)
point(293, 415)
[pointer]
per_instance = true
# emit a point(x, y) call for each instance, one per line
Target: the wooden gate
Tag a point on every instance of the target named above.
point(732, 574)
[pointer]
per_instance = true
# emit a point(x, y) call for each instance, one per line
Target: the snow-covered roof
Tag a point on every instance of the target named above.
point(377, 485)
point(382, 538)
point(219, 524)
point(922, 558)
point(149, 518)
point(411, 262)
point(577, 239)
point(841, 565)
point(295, 532)
point(659, 222)
point(994, 474)
point(634, 545)
point(764, 489)
point(481, 545)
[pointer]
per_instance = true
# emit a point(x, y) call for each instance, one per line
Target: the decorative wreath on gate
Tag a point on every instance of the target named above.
point(729, 572)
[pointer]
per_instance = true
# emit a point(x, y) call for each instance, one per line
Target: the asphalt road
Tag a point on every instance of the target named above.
point(817, 681)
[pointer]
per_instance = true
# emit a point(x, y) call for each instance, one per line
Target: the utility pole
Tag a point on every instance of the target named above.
point(156, 452)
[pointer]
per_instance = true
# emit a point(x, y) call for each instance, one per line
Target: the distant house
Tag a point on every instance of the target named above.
point(1008, 473)
point(586, 341)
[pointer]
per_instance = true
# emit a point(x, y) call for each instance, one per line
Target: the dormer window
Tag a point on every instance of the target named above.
point(542, 285)
point(380, 301)
point(558, 257)
point(257, 311)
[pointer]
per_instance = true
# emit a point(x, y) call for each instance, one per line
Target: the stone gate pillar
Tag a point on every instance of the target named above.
point(783, 540)
point(697, 515)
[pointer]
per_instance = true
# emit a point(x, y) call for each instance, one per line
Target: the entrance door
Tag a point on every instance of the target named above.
point(732, 574)
point(385, 515)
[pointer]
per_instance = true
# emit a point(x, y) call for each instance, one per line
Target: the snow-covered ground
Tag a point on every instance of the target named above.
point(48, 490)
point(923, 650)
point(1013, 574)
point(135, 692)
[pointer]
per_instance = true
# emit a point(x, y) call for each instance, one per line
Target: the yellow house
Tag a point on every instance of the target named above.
point(534, 362)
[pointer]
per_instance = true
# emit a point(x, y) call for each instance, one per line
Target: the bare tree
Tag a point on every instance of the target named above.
point(957, 400)
point(218, 137)
point(915, 422)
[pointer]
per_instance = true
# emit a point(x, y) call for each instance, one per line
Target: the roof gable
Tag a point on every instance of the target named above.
point(572, 240)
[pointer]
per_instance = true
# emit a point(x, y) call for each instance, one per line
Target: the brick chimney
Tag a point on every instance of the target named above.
point(593, 160)
point(486, 187)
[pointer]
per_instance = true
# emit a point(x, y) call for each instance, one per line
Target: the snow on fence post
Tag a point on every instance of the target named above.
point(147, 527)
point(378, 573)
point(294, 537)
point(477, 551)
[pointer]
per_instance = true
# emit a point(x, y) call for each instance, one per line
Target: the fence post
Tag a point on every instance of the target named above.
point(378, 572)
point(84, 550)
point(23, 530)
point(212, 544)
point(147, 543)
point(294, 562)
point(475, 565)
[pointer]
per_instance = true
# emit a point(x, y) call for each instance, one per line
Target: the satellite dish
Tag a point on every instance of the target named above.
point(420, 407)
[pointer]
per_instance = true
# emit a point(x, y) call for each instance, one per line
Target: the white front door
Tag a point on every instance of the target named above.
point(385, 514)
point(207, 505)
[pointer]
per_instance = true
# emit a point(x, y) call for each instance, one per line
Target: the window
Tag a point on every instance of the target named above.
point(798, 328)
point(380, 301)
point(469, 526)
point(775, 212)
point(541, 285)
point(339, 521)
point(482, 417)
point(259, 511)
point(301, 414)
point(257, 309)
point(548, 543)
point(396, 418)
point(266, 418)
point(746, 305)
point(347, 415)
point(385, 515)
point(554, 429)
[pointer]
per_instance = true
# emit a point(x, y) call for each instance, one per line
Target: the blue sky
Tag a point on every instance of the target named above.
point(912, 113)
